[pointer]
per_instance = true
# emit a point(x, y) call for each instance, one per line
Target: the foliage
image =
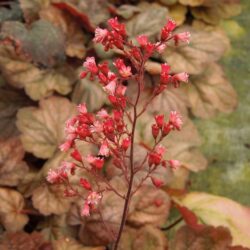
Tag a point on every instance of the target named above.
point(43, 44)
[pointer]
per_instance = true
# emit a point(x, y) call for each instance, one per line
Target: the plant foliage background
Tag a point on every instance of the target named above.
point(43, 44)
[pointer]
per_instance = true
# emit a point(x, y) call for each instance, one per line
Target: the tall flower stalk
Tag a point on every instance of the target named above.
point(113, 133)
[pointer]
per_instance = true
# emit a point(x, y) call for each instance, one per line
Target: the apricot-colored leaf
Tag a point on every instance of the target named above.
point(89, 92)
point(37, 83)
point(205, 47)
point(12, 204)
point(23, 241)
point(72, 244)
point(12, 166)
point(215, 13)
point(42, 128)
point(49, 199)
point(216, 238)
point(151, 207)
point(219, 211)
point(210, 93)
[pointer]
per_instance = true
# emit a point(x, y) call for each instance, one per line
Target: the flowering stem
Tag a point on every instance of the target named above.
point(129, 192)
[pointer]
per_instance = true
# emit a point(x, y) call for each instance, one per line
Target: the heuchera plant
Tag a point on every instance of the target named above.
point(114, 132)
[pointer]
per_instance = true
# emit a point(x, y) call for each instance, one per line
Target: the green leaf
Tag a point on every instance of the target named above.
point(12, 13)
point(42, 128)
point(74, 36)
point(12, 204)
point(42, 43)
point(12, 166)
point(219, 211)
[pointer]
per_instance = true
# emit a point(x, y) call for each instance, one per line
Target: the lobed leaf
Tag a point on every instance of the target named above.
point(42, 128)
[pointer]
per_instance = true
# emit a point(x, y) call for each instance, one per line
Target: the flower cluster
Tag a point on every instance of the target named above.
point(112, 132)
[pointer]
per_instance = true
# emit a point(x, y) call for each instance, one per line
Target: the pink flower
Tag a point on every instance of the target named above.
point(157, 182)
point(154, 158)
point(167, 29)
point(103, 114)
point(175, 120)
point(155, 130)
point(110, 88)
point(159, 120)
point(66, 145)
point(95, 161)
point(121, 90)
point(93, 198)
point(181, 77)
point(160, 150)
point(82, 109)
point(100, 35)
point(90, 65)
point(160, 47)
point(142, 40)
point(182, 37)
point(53, 176)
point(124, 71)
point(118, 27)
point(174, 164)
point(97, 127)
point(126, 143)
point(104, 149)
point(76, 155)
point(85, 211)
point(165, 68)
point(85, 184)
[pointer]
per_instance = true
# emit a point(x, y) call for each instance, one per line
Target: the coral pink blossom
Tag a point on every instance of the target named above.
point(85, 184)
point(157, 182)
point(182, 37)
point(100, 35)
point(90, 65)
point(85, 211)
point(174, 164)
point(104, 149)
point(175, 120)
point(93, 198)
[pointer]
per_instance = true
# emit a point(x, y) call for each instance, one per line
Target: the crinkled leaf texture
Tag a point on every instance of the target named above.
point(35, 42)
point(23, 241)
point(42, 128)
point(216, 238)
point(12, 204)
point(89, 92)
point(10, 102)
point(12, 166)
point(148, 237)
point(37, 83)
point(205, 47)
point(210, 93)
point(219, 211)
point(74, 36)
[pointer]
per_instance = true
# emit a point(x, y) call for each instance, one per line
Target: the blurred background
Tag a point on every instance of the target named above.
point(42, 46)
